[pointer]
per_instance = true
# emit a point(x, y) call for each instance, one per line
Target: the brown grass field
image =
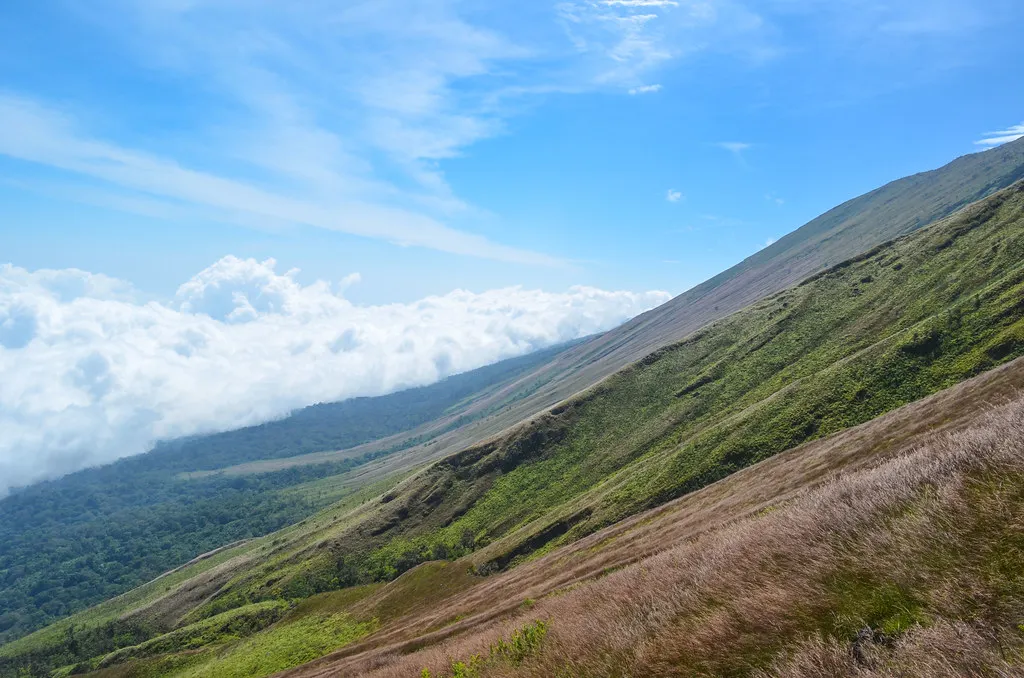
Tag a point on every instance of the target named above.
point(895, 548)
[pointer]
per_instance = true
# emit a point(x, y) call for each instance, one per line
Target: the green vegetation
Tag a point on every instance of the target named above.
point(76, 541)
point(281, 647)
point(232, 645)
point(522, 644)
point(59, 556)
point(111, 625)
point(231, 625)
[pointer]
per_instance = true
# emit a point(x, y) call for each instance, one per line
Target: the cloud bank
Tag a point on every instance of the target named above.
point(92, 372)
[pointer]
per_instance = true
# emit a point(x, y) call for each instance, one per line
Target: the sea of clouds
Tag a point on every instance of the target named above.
point(92, 372)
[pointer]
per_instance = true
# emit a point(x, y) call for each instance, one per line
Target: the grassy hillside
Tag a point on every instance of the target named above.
point(865, 337)
point(897, 563)
point(860, 224)
point(72, 542)
point(896, 209)
point(898, 323)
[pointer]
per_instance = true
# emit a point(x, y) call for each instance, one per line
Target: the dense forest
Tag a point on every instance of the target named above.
point(97, 541)
point(72, 542)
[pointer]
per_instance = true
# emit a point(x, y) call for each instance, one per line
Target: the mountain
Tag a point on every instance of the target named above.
point(888, 549)
point(106, 530)
point(864, 337)
point(896, 209)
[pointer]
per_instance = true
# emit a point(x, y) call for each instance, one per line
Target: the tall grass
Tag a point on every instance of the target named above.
point(910, 567)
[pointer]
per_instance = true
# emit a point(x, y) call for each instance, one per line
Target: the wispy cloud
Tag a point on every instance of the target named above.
point(673, 195)
point(645, 89)
point(735, 147)
point(773, 198)
point(338, 116)
point(334, 117)
point(621, 43)
point(1005, 136)
point(41, 135)
point(640, 3)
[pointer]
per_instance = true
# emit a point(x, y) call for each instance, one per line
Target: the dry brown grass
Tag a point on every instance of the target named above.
point(934, 519)
point(944, 650)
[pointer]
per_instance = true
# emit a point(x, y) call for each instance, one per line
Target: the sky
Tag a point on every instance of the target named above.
point(214, 211)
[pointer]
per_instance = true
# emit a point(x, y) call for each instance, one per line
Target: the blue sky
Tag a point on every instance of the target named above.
point(215, 211)
point(438, 145)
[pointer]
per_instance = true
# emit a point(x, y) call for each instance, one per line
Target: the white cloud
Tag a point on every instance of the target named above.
point(619, 43)
point(93, 373)
point(640, 3)
point(644, 89)
point(1005, 136)
point(772, 197)
point(673, 195)
point(735, 147)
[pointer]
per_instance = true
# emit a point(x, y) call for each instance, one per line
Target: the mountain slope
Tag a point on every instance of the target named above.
point(888, 327)
point(870, 335)
point(891, 549)
point(898, 208)
point(893, 210)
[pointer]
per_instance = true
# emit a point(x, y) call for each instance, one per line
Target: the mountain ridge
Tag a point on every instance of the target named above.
point(950, 187)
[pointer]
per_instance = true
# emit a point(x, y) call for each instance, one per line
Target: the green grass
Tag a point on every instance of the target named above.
point(288, 643)
point(523, 643)
point(424, 586)
point(282, 646)
point(217, 630)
